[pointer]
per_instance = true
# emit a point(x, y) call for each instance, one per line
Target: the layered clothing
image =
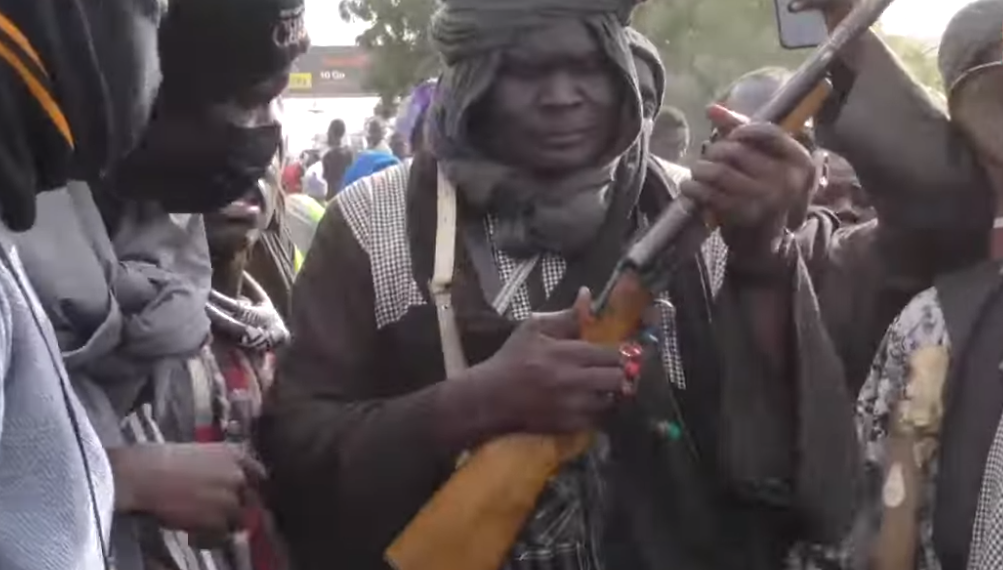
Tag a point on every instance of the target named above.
point(933, 201)
point(347, 432)
point(154, 354)
point(126, 312)
point(216, 401)
point(929, 411)
point(722, 461)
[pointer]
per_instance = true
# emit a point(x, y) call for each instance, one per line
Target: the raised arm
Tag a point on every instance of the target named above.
point(780, 370)
point(918, 170)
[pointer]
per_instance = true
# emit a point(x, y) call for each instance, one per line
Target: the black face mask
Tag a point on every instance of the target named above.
point(196, 165)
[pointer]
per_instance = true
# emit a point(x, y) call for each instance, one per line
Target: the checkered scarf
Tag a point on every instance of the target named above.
point(986, 552)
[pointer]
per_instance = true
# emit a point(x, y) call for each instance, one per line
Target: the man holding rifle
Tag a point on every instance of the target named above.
point(737, 440)
point(929, 190)
point(929, 413)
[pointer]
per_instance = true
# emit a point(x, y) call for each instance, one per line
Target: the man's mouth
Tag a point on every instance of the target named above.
point(563, 139)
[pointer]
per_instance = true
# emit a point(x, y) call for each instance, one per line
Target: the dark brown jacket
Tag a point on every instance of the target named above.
point(347, 430)
point(934, 204)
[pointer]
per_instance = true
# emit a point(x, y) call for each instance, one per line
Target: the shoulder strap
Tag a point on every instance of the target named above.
point(972, 402)
point(442, 277)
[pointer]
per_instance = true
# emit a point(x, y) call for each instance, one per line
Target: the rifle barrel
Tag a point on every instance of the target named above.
point(681, 227)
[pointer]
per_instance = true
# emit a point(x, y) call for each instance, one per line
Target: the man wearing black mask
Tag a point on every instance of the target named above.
point(127, 294)
point(211, 139)
point(208, 143)
point(68, 106)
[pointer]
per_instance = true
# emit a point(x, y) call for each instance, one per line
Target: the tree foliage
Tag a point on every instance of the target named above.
point(398, 43)
point(919, 57)
point(705, 44)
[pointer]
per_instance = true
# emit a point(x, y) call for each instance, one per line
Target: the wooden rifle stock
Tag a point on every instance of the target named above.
point(473, 520)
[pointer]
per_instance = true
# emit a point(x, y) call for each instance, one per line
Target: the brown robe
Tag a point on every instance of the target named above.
point(347, 431)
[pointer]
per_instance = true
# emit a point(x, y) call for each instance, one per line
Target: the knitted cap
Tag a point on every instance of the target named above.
point(213, 50)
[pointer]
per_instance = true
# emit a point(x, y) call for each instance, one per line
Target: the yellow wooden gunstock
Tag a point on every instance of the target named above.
point(472, 522)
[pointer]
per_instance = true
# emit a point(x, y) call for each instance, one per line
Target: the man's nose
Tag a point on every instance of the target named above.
point(561, 89)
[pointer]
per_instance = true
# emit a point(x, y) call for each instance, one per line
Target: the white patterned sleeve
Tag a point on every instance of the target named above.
point(920, 324)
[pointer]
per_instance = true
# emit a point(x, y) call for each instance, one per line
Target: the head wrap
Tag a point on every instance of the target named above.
point(646, 51)
point(973, 38)
point(471, 36)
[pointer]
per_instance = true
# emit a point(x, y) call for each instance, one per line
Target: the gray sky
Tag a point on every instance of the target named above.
point(921, 18)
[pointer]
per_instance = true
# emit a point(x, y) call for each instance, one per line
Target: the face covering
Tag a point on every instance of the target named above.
point(196, 165)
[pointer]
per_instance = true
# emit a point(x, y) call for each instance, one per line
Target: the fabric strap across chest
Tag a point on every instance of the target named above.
point(972, 303)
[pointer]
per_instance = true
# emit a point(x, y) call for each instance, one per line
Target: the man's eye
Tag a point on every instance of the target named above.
point(524, 72)
point(587, 67)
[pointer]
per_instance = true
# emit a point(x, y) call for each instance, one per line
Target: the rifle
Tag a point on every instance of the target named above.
point(473, 520)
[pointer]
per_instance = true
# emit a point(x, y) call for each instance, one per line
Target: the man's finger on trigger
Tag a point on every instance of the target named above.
point(559, 325)
point(769, 139)
point(725, 180)
point(725, 119)
point(740, 156)
point(696, 191)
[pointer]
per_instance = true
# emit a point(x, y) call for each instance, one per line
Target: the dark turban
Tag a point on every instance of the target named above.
point(471, 36)
point(466, 28)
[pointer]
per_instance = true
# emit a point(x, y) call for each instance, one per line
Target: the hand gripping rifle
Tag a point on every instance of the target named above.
point(473, 520)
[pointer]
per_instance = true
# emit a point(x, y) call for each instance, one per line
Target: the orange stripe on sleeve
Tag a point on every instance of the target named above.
point(40, 93)
point(11, 29)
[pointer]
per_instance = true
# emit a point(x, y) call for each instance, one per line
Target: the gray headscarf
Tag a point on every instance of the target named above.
point(563, 217)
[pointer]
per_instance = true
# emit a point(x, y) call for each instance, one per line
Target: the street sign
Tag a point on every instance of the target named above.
point(330, 71)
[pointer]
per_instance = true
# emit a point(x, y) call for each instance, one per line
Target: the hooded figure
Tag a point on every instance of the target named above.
point(123, 267)
point(76, 84)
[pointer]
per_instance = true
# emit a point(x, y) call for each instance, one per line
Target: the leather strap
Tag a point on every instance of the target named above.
point(479, 248)
point(442, 278)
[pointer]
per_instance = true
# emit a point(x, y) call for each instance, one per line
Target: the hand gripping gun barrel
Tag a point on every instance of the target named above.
point(473, 520)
